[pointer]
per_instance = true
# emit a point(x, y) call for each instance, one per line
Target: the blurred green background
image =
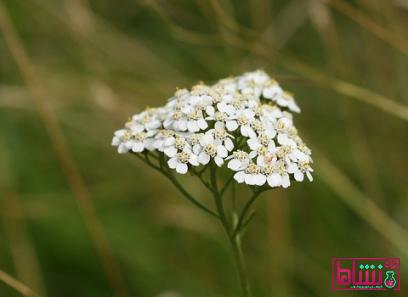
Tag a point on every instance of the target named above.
point(91, 64)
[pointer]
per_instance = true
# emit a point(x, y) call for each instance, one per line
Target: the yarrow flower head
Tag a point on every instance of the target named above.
point(244, 123)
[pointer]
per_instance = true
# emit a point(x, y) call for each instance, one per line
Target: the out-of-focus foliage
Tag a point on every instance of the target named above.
point(99, 61)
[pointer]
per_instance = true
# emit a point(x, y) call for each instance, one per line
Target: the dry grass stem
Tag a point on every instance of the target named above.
point(67, 162)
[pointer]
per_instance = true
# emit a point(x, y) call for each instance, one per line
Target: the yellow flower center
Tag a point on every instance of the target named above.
point(166, 133)
point(252, 169)
point(304, 166)
point(194, 115)
point(220, 116)
point(194, 139)
point(280, 126)
point(242, 120)
point(264, 139)
point(140, 136)
point(179, 143)
point(240, 155)
point(127, 136)
point(177, 115)
point(183, 157)
point(257, 125)
point(221, 134)
point(283, 151)
point(210, 150)
point(262, 150)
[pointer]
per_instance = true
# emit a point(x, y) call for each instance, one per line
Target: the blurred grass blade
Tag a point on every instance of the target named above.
point(357, 16)
point(178, 31)
point(67, 162)
point(361, 204)
point(361, 151)
point(294, 64)
point(21, 246)
point(16, 284)
point(346, 88)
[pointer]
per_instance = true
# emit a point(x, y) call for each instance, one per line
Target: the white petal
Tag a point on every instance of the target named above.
point(193, 126)
point(267, 93)
point(196, 149)
point(219, 125)
point(222, 106)
point(249, 132)
point(202, 124)
point(271, 132)
point(210, 110)
point(187, 109)
point(239, 176)
point(170, 151)
point(230, 110)
point(151, 133)
point(309, 176)
point(250, 179)
point(167, 123)
point(229, 144)
point(274, 180)
point(285, 181)
point(253, 143)
point(249, 113)
point(270, 92)
point(282, 102)
point(245, 130)
point(181, 168)
point(222, 151)
point(219, 161)
point(293, 106)
point(226, 108)
point(172, 162)
point(203, 158)
point(271, 146)
point(115, 140)
point(273, 91)
point(138, 147)
point(231, 125)
point(122, 148)
point(299, 176)
point(149, 144)
point(260, 160)
point(234, 164)
point(300, 155)
point(169, 141)
point(120, 132)
point(252, 154)
point(129, 144)
point(292, 168)
point(206, 139)
point(182, 125)
point(137, 128)
point(260, 179)
point(283, 139)
point(193, 160)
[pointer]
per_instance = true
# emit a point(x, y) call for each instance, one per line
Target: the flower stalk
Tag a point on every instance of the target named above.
point(241, 265)
point(233, 229)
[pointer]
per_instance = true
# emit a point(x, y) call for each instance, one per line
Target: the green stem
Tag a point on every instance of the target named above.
point(175, 182)
point(225, 187)
point(233, 234)
point(218, 199)
point(189, 196)
point(244, 212)
point(241, 265)
point(234, 239)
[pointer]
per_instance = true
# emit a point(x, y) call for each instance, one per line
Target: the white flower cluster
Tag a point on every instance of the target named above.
point(245, 122)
